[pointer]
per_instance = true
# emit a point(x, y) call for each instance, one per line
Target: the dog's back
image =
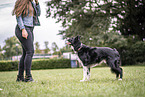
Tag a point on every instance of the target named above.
point(107, 52)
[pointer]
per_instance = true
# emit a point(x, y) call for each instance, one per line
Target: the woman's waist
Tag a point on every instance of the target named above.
point(28, 20)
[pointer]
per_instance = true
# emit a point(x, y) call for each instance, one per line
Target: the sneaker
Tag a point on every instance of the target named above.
point(20, 78)
point(29, 79)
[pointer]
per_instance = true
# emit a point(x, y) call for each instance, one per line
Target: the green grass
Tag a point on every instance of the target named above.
point(66, 83)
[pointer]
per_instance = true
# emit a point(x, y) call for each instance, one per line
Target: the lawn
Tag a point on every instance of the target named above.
point(66, 83)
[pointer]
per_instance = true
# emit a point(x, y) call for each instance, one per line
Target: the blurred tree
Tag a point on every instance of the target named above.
point(91, 18)
point(1, 55)
point(79, 17)
point(0, 48)
point(66, 48)
point(37, 49)
point(133, 21)
point(46, 50)
point(12, 47)
point(54, 47)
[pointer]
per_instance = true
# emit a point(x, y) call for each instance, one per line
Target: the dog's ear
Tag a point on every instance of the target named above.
point(78, 37)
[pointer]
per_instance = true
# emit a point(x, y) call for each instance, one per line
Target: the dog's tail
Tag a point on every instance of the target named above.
point(117, 55)
point(116, 51)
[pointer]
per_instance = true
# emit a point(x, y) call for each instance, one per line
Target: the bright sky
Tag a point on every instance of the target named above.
point(46, 32)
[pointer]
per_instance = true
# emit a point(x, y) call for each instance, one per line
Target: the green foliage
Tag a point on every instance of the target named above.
point(1, 54)
point(51, 64)
point(66, 83)
point(0, 49)
point(134, 18)
point(66, 48)
point(37, 64)
point(37, 48)
point(46, 50)
point(79, 17)
point(8, 65)
point(133, 53)
point(54, 47)
point(12, 47)
point(89, 18)
point(92, 19)
point(108, 39)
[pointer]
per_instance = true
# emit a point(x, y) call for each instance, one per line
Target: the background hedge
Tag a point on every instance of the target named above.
point(133, 54)
point(37, 64)
point(51, 64)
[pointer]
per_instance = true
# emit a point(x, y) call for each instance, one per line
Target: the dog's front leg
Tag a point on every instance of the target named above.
point(85, 74)
point(88, 73)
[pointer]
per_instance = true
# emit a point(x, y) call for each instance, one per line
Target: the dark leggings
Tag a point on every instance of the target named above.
point(28, 50)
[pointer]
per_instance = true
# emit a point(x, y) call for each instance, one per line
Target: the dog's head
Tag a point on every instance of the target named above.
point(75, 42)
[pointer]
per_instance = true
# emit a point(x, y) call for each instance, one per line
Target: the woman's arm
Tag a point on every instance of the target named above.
point(20, 22)
point(24, 33)
point(38, 8)
point(21, 26)
point(36, 1)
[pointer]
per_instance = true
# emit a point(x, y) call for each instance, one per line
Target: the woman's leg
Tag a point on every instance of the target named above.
point(21, 63)
point(28, 47)
point(20, 76)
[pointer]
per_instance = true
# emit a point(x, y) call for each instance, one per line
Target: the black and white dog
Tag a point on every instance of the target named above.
point(88, 56)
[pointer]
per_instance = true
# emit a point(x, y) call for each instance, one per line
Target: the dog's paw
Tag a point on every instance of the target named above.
point(120, 79)
point(82, 80)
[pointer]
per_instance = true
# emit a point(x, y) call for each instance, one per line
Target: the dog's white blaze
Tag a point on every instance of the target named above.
point(80, 62)
point(73, 49)
point(78, 57)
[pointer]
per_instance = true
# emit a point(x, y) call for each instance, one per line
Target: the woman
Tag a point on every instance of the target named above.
point(27, 13)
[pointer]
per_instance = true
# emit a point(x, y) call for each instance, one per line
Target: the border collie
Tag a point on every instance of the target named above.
point(89, 57)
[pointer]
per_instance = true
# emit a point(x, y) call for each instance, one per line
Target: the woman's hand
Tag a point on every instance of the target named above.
point(24, 33)
point(36, 1)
